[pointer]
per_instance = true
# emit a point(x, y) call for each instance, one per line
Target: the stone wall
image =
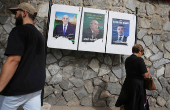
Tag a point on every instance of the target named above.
point(78, 78)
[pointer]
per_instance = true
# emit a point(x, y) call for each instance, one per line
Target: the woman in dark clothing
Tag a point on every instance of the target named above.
point(133, 94)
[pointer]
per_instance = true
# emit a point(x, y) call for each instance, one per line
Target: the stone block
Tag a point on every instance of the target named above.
point(119, 71)
point(54, 68)
point(160, 62)
point(116, 59)
point(166, 26)
point(167, 70)
point(156, 22)
point(57, 78)
point(99, 82)
point(89, 86)
point(66, 52)
point(69, 95)
point(8, 27)
point(113, 88)
point(66, 85)
point(82, 64)
point(160, 101)
point(61, 101)
point(81, 93)
point(96, 93)
point(104, 69)
point(47, 91)
point(113, 78)
point(87, 101)
point(107, 60)
point(160, 72)
point(78, 73)
point(131, 4)
point(50, 59)
point(149, 9)
point(111, 101)
point(156, 39)
point(89, 74)
point(160, 45)
point(165, 37)
point(57, 91)
point(157, 84)
point(68, 71)
point(77, 82)
point(43, 10)
point(147, 40)
point(48, 76)
point(157, 56)
point(141, 43)
point(89, 55)
point(153, 48)
point(164, 94)
point(94, 65)
point(163, 81)
point(57, 53)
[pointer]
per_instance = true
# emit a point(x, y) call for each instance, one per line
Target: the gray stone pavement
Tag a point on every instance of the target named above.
point(49, 107)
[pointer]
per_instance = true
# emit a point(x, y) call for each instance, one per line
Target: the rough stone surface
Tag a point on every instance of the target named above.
point(160, 72)
point(141, 43)
point(77, 82)
point(4, 19)
point(155, 94)
point(87, 101)
point(164, 94)
point(145, 24)
point(153, 48)
point(147, 63)
point(167, 70)
point(61, 102)
point(52, 100)
point(166, 54)
point(116, 59)
point(160, 62)
point(156, 39)
point(66, 60)
point(81, 92)
point(152, 101)
point(104, 69)
point(152, 71)
point(2, 51)
point(113, 88)
point(50, 59)
point(149, 9)
point(69, 95)
point(165, 37)
point(54, 68)
point(131, 5)
point(113, 78)
point(57, 91)
point(99, 82)
point(57, 53)
point(94, 65)
point(66, 52)
point(89, 74)
point(167, 46)
point(157, 84)
point(100, 103)
point(1, 30)
point(111, 100)
point(104, 94)
point(82, 64)
point(100, 57)
point(89, 55)
point(168, 104)
point(43, 10)
point(157, 56)
point(96, 93)
point(78, 73)
point(166, 26)
point(105, 78)
point(142, 8)
point(73, 103)
point(67, 72)
point(160, 45)
point(87, 2)
point(147, 53)
point(48, 76)
point(8, 27)
point(89, 86)
point(57, 78)
point(163, 81)
point(66, 85)
point(47, 91)
point(156, 22)
point(161, 101)
point(107, 60)
point(147, 40)
point(119, 71)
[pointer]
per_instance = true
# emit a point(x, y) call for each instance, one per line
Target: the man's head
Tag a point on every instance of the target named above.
point(94, 25)
point(120, 30)
point(65, 19)
point(24, 11)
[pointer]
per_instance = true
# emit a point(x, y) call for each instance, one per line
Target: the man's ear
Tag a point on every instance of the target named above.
point(24, 13)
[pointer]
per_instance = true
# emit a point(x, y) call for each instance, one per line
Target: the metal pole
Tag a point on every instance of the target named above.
point(136, 25)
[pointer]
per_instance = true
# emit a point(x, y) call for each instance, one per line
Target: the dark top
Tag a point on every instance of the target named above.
point(70, 32)
point(27, 41)
point(133, 94)
point(87, 36)
point(135, 67)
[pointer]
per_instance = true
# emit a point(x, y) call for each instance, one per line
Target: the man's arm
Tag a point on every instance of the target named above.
point(8, 70)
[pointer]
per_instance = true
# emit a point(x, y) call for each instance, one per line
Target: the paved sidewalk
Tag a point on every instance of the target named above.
point(49, 107)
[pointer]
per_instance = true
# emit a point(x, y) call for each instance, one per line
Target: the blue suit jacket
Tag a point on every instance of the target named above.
point(70, 32)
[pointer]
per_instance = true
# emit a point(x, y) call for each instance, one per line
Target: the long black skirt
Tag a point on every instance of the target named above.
point(133, 95)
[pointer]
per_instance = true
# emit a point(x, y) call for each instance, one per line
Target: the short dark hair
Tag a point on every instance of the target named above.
point(120, 25)
point(136, 48)
point(32, 16)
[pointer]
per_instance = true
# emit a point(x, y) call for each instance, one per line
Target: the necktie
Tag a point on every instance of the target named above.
point(120, 38)
point(64, 30)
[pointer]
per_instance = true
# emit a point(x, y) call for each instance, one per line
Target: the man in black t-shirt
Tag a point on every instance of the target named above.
point(23, 74)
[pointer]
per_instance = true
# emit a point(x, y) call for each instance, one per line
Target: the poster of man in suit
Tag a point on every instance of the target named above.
point(120, 31)
point(64, 25)
point(93, 27)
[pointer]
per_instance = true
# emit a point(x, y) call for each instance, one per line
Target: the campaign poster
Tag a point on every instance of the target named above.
point(120, 31)
point(93, 27)
point(64, 27)
point(93, 30)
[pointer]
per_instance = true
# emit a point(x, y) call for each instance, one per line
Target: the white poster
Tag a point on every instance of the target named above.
point(93, 30)
point(121, 33)
point(64, 27)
